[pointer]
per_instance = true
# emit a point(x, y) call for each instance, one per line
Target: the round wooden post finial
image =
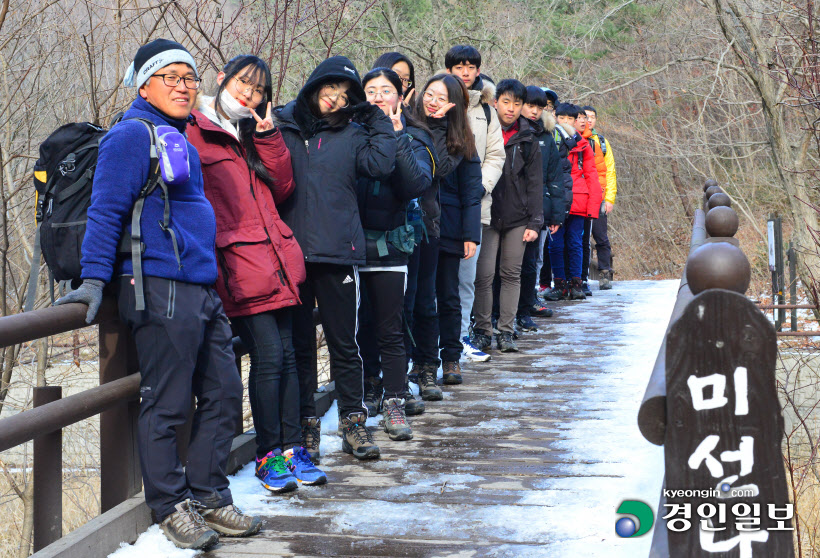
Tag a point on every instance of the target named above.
point(718, 265)
point(722, 221)
point(719, 199)
point(709, 183)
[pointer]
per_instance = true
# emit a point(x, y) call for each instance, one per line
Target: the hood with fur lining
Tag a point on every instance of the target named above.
point(548, 120)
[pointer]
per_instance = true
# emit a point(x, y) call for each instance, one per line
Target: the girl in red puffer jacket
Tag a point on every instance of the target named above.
point(247, 172)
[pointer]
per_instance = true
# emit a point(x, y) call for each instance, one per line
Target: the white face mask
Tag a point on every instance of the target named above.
point(232, 108)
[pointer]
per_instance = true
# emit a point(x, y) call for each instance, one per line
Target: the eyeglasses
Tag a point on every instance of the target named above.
point(243, 85)
point(385, 92)
point(406, 82)
point(172, 80)
point(332, 91)
point(429, 97)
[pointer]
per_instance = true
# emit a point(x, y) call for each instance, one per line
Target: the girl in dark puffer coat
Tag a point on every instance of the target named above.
point(390, 239)
point(335, 137)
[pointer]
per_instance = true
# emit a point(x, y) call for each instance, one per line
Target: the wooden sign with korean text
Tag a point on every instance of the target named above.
point(725, 481)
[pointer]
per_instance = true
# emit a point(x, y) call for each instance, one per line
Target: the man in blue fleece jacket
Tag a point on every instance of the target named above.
point(183, 337)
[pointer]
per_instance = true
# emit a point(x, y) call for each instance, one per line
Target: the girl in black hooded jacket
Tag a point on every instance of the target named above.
point(329, 153)
point(390, 239)
point(437, 312)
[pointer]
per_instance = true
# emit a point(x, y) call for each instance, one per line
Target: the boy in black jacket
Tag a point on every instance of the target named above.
point(515, 219)
point(554, 204)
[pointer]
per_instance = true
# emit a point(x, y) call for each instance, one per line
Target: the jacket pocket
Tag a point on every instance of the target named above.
point(247, 264)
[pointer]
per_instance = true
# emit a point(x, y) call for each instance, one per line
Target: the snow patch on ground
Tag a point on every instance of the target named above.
point(153, 544)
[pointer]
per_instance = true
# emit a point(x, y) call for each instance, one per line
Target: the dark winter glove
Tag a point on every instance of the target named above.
point(90, 293)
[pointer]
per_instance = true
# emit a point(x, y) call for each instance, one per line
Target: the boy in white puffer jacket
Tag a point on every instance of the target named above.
point(464, 62)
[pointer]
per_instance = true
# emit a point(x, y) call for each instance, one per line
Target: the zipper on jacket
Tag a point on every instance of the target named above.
point(307, 147)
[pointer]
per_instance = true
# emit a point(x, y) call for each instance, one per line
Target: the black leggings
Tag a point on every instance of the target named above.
point(273, 383)
point(381, 328)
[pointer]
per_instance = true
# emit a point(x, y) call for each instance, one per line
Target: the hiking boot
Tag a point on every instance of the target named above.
point(471, 352)
point(412, 406)
point(576, 292)
point(274, 473)
point(585, 289)
point(299, 464)
point(559, 292)
point(525, 323)
point(481, 341)
point(505, 342)
point(427, 383)
point(311, 435)
point(231, 522)
point(540, 311)
point(452, 373)
point(186, 528)
point(413, 375)
point(356, 438)
point(542, 290)
point(395, 419)
point(373, 391)
point(605, 280)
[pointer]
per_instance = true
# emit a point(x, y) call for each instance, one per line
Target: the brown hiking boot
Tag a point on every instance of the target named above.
point(230, 521)
point(452, 373)
point(427, 383)
point(576, 291)
point(186, 528)
point(356, 438)
point(311, 435)
point(395, 420)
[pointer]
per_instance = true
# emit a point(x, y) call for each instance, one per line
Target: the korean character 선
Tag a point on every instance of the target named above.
point(678, 524)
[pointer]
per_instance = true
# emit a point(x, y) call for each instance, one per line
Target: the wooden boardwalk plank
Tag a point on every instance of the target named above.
point(489, 469)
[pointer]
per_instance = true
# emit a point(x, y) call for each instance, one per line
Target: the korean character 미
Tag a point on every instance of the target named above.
point(747, 517)
point(707, 511)
point(678, 524)
point(788, 513)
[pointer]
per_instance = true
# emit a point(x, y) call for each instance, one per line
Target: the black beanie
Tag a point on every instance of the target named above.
point(152, 57)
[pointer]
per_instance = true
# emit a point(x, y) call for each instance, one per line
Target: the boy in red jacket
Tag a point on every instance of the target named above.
point(586, 202)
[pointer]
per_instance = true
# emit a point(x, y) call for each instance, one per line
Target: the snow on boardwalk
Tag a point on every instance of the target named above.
point(530, 457)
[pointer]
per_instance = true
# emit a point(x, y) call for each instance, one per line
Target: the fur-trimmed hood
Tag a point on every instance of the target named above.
point(548, 120)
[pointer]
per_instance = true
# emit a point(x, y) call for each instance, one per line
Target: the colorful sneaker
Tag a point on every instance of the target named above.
point(471, 352)
point(299, 463)
point(274, 473)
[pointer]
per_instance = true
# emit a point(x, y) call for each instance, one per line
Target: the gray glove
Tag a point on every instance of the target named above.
point(90, 293)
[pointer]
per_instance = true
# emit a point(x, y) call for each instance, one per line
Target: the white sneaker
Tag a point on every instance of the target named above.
point(470, 352)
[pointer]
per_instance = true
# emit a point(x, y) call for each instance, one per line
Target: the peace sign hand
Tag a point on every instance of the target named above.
point(263, 125)
point(442, 111)
point(408, 97)
point(395, 118)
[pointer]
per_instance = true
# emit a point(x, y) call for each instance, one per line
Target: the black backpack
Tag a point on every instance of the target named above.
point(63, 176)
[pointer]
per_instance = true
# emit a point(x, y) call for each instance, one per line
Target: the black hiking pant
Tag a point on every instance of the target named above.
point(597, 230)
point(273, 383)
point(336, 290)
point(381, 329)
point(183, 343)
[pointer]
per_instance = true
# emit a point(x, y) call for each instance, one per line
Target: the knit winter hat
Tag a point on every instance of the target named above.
point(154, 56)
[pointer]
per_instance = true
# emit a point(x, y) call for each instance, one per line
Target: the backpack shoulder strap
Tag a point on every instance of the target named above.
point(602, 142)
point(487, 113)
point(154, 180)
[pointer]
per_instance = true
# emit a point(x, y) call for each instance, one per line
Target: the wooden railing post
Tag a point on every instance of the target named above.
point(47, 476)
point(120, 471)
